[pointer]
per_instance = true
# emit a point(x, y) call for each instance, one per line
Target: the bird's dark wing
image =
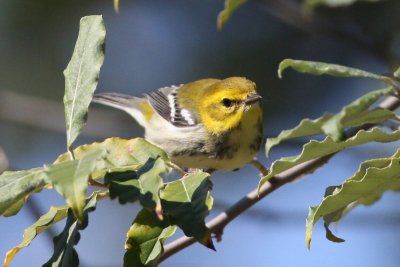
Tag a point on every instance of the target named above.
point(165, 103)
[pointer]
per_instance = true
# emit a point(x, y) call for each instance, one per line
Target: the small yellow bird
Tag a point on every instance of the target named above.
point(210, 123)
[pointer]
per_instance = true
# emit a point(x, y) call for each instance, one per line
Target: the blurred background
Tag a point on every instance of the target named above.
point(155, 43)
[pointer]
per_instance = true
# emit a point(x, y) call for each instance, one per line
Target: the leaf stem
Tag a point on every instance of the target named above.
point(71, 153)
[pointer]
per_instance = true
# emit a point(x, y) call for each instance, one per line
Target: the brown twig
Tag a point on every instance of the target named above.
point(260, 167)
point(217, 224)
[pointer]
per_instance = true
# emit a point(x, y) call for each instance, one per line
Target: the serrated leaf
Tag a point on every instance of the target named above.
point(186, 202)
point(145, 239)
point(226, 13)
point(352, 115)
point(315, 149)
point(82, 74)
point(64, 251)
point(320, 68)
point(306, 127)
point(356, 113)
point(16, 186)
point(375, 116)
point(121, 155)
point(47, 220)
point(143, 184)
point(309, 127)
point(70, 179)
point(367, 185)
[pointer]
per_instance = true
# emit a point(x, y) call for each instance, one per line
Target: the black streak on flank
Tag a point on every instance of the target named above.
point(224, 150)
point(256, 144)
point(197, 149)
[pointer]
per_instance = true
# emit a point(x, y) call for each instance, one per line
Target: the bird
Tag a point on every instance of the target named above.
point(212, 124)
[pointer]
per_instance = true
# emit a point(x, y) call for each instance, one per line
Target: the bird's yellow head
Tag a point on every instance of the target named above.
point(226, 103)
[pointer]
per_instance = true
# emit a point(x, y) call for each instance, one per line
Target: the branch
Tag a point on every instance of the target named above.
point(217, 224)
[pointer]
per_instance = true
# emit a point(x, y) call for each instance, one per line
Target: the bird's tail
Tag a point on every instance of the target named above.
point(137, 107)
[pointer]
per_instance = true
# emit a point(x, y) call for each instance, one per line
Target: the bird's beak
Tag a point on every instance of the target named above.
point(252, 98)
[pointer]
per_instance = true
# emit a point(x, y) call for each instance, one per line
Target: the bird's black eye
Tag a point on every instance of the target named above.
point(227, 102)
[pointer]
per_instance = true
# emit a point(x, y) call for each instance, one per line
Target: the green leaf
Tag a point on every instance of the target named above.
point(367, 185)
point(121, 155)
point(186, 202)
point(353, 115)
point(320, 68)
point(330, 236)
point(64, 251)
point(315, 149)
point(16, 186)
point(70, 179)
point(375, 116)
point(226, 13)
point(143, 184)
point(306, 127)
point(145, 239)
point(356, 114)
point(82, 74)
point(47, 220)
point(397, 73)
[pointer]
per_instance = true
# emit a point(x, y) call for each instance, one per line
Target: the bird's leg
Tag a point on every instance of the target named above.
point(259, 166)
